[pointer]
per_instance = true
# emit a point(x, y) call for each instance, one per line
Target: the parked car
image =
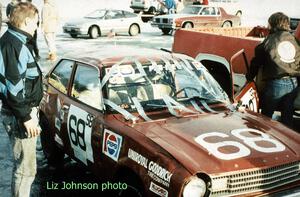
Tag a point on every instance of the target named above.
point(195, 16)
point(146, 6)
point(163, 125)
point(102, 21)
point(294, 21)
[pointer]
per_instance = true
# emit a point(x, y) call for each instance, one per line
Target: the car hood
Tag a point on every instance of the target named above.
point(177, 136)
point(174, 16)
point(80, 21)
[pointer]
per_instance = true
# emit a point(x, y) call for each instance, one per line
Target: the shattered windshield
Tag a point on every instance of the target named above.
point(96, 14)
point(191, 10)
point(152, 84)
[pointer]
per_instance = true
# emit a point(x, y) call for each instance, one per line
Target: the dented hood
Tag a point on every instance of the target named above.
point(218, 143)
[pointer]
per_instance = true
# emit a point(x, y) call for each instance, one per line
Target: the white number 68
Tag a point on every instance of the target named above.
point(243, 151)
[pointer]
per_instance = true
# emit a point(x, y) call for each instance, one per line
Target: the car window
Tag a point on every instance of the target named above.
point(114, 14)
point(59, 78)
point(208, 11)
point(129, 14)
point(96, 14)
point(86, 86)
point(191, 10)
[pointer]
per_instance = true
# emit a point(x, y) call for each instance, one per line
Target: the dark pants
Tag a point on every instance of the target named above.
point(280, 94)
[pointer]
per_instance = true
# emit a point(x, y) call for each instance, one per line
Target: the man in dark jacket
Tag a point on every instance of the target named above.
point(21, 91)
point(278, 57)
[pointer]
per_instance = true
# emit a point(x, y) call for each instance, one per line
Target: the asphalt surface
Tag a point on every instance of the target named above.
point(67, 46)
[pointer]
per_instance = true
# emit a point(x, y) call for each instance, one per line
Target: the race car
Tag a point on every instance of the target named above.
point(164, 126)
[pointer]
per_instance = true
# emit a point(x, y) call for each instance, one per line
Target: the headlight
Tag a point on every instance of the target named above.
point(195, 188)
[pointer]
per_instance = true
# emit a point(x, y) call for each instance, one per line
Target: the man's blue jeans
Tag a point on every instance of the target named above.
point(24, 153)
point(279, 94)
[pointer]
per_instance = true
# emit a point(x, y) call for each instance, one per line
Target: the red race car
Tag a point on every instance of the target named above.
point(164, 126)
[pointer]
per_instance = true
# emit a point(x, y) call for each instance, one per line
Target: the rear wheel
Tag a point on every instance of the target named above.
point(166, 31)
point(239, 13)
point(188, 25)
point(152, 10)
point(134, 30)
point(226, 24)
point(94, 32)
point(53, 154)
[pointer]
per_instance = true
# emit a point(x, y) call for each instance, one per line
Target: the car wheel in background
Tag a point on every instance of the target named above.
point(134, 30)
point(152, 10)
point(73, 35)
point(226, 24)
point(166, 31)
point(94, 32)
point(239, 13)
point(188, 25)
point(53, 154)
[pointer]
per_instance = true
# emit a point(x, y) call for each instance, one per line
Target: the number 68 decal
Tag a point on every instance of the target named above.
point(243, 150)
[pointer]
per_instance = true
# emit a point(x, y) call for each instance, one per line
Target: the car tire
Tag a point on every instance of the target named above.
point(94, 32)
point(166, 31)
point(73, 35)
point(53, 154)
point(188, 25)
point(134, 186)
point(227, 24)
point(152, 10)
point(239, 13)
point(134, 30)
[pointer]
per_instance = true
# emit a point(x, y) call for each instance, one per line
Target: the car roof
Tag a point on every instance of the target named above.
point(109, 55)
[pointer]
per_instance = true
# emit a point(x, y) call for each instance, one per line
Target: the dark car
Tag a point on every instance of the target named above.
point(164, 126)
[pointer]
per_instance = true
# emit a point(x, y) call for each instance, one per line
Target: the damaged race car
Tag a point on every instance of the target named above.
point(164, 126)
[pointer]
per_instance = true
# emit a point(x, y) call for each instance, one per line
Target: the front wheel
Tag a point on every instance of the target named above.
point(53, 154)
point(73, 35)
point(166, 31)
point(188, 25)
point(134, 30)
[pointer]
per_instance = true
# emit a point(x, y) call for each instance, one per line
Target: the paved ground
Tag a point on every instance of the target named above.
point(67, 46)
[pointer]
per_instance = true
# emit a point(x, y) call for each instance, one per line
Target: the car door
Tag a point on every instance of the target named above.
point(208, 16)
point(83, 114)
point(244, 92)
point(231, 77)
point(57, 93)
point(114, 20)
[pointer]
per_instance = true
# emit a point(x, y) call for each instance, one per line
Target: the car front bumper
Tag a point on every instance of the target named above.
point(75, 30)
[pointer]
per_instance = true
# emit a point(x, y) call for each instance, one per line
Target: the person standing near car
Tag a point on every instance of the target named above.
point(21, 91)
point(278, 56)
point(50, 19)
point(171, 6)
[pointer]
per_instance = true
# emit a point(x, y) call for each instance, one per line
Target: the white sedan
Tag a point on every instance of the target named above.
point(102, 21)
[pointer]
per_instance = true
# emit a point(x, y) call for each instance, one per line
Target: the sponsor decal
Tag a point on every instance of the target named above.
point(286, 51)
point(155, 171)
point(80, 133)
point(57, 123)
point(58, 140)
point(112, 143)
point(158, 190)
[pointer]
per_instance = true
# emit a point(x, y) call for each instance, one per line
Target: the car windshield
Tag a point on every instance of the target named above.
point(168, 83)
point(96, 14)
point(191, 10)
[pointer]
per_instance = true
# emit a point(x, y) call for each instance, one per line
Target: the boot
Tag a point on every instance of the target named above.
point(52, 57)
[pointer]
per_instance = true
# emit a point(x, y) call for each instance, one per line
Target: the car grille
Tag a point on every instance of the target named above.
point(165, 20)
point(256, 180)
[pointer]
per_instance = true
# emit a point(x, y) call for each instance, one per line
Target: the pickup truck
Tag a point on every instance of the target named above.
point(217, 57)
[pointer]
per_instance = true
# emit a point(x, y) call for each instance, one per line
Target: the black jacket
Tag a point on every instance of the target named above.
point(278, 56)
point(20, 75)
